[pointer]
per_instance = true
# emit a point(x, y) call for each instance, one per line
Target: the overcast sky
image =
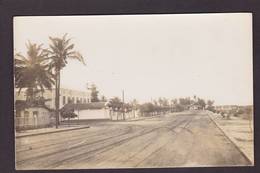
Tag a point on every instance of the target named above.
point(151, 56)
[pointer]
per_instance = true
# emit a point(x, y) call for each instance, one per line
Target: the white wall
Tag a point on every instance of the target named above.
point(93, 114)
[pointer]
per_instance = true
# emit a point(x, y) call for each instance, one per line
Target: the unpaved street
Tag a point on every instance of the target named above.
point(173, 140)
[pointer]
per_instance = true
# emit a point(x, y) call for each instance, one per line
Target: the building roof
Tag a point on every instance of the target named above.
point(85, 106)
point(22, 104)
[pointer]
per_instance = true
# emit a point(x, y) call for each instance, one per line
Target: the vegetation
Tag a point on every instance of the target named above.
point(32, 72)
point(94, 93)
point(103, 98)
point(60, 50)
point(201, 103)
point(210, 106)
point(67, 112)
point(41, 68)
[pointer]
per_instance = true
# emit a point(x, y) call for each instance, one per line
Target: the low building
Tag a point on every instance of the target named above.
point(99, 111)
point(30, 117)
point(42, 116)
point(95, 110)
point(194, 106)
point(226, 107)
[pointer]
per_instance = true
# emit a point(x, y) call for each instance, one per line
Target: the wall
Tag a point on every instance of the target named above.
point(128, 115)
point(42, 119)
point(105, 114)
point(93, 114)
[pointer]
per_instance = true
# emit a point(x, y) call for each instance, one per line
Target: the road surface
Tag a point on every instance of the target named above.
point(174, 140)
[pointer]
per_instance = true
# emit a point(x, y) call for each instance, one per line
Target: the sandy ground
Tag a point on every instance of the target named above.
point(174, 140)
point(240, 131)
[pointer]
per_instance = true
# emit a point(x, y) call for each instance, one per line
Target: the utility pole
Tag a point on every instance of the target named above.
point(123, 99)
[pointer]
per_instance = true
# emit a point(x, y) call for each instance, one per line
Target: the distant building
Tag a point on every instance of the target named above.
point(66, 96)
point(226, 107)
point(99, 111)
point(37, 116)
point(95, 110)
point(195, 106)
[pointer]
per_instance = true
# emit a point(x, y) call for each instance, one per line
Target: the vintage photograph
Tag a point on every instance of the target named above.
point(133, 91)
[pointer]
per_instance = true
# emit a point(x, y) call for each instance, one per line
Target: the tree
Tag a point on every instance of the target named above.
point(210, 102)
point(174, 101)
point(201, 103)
point(103, 98)
point(134, 105)
point(68, 112)
point(32, 72)
point(115, 104)
point(60, 50)
point(165, 102)
point(179, 108)
point(210, 106)
point(147, 108)
point(173, 104)
point(94, 93)
point(185, 101)
point(160, 101)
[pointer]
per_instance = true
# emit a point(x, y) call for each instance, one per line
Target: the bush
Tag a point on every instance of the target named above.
point(68, 115)
point(179, 108)
point(222, 114)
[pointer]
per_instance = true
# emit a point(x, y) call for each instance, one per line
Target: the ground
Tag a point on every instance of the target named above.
point(239, 130)
point(172, 140)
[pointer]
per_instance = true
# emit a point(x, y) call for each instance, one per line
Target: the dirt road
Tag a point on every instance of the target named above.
point(173, 140)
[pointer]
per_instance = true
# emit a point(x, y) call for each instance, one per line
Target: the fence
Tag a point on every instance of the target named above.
point(23, 123)
point(121, 116)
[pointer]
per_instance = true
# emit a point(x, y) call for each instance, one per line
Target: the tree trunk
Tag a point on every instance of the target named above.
point(57, 97)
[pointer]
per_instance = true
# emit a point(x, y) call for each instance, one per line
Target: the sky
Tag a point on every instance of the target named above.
point(151, 56)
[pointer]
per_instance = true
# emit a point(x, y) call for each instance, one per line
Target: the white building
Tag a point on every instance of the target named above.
point(32, 117)
point(66, 96)
point(226, 107)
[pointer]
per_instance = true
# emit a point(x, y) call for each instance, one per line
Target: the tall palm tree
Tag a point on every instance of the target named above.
point(60, 50)
point(32, 71)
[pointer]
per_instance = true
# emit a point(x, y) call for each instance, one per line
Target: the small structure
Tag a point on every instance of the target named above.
point(94, 110)
point(31, 116)
point(195, 106)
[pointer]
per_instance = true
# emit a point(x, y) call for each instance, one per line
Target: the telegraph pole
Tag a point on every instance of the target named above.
point(123, 99)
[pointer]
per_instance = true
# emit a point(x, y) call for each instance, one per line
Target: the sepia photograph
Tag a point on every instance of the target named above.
point(133, 91)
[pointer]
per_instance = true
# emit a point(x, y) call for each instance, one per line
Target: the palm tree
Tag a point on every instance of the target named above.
point(31, 72)
point(116, 105)
point(60, 50)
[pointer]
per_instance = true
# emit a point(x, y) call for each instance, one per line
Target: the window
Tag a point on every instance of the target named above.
point(84, 100)
point(18, 113)
point(26, 117)
point(64, 100)
point(35, 113)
